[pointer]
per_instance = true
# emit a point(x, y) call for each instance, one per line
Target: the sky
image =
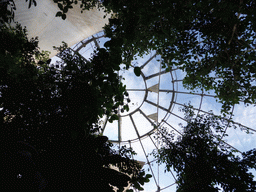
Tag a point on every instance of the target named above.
point(172, 100)
point(164, 107)
point(143, 104)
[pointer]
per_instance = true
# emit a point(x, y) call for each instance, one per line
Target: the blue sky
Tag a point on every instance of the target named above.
point(177, 96)
point(237, 138)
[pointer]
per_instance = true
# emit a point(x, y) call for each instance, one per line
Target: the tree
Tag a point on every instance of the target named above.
point(56, 112)
point(212, 41)
point(7, 10)
point(202, 161)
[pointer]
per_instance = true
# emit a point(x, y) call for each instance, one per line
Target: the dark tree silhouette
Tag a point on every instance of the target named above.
point(56, 112)
point(202, 161)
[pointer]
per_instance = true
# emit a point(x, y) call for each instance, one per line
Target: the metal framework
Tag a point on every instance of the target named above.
point(165, 113)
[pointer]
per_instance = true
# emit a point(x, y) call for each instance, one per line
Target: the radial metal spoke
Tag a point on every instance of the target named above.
point(146, 117)
point(150, 59)
point(96, 43)
point(200, 106)
point(104, 124)
point(154, 104)
point(168, 186)
point(156, 159)
point(142, 147)
point(153, 141)
point(215, 116)
point(172, 127)
point(229, 120)
point(177, 80)
point(156, 74)
point(135, 89)
point(164, 109)
point(183, 92)
point(119, 128)
point(239, 124)
point(136, 130)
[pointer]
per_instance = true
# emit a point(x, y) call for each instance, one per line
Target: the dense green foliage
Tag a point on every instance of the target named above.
point(212, 41)
point(57, 111)
point(202, 162)
point(7, 11)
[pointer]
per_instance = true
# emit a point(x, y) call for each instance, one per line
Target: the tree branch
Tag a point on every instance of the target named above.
point(234, 28)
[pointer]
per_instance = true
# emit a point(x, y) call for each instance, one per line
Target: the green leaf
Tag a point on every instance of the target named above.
point(141, 182)
point(35, 4)
point(29, 4)
point(60, 6)
point(64, 16)
point(58, 14)
point(126, 94)
point(136, 185)
point(65, 10)
point(113, 117)
point(126, 107)
point(137, 71)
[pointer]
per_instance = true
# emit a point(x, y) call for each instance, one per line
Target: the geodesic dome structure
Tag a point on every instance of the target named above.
point(156, 96)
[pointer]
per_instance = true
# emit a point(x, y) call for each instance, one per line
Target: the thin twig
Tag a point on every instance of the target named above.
point(234, 28)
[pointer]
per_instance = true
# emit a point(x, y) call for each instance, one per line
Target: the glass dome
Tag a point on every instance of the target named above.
point(157, 96)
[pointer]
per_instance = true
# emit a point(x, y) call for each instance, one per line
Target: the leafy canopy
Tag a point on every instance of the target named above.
point(202, 161)
point(212, 41)
point(56, 112)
